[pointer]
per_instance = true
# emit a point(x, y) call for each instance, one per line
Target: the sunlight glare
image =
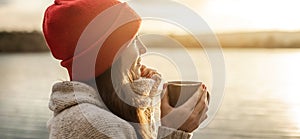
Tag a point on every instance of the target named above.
point(254, 14)
point(290, 86)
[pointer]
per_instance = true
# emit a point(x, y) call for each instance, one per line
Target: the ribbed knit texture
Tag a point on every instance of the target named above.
point(79, 112)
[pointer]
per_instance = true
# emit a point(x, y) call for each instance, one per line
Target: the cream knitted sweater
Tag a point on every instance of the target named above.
point(79, 112)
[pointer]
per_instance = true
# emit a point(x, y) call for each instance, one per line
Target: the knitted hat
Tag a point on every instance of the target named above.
point(75, 30)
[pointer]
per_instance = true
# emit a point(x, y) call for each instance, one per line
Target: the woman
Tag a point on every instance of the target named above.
point(124, 101)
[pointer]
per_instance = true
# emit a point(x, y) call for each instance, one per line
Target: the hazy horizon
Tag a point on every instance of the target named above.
point(223, 16)
point(255, 69)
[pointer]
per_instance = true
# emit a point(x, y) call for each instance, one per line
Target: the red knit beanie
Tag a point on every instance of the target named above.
point(66, 21)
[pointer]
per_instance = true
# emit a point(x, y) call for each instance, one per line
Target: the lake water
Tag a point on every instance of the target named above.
point(261, 98)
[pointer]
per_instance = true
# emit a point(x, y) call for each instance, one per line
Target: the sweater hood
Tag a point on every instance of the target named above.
point(69, 93)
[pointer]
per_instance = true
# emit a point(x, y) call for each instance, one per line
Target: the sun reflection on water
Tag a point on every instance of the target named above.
point(289, 86)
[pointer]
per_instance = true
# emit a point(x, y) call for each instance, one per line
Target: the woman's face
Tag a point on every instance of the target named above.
point(137, 49)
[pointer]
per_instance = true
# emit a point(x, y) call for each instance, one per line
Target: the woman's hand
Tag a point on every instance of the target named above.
point(188, 116)
point(148, 72)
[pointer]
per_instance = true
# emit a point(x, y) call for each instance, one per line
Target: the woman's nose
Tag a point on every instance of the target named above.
point(141, 47)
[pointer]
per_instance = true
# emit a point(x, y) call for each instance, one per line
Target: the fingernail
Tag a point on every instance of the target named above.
point(165, 85)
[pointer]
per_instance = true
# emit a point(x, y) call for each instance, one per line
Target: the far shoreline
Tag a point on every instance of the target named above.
point(31, 42)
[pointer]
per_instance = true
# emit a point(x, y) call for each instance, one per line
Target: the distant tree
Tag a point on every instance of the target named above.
point(22, 42)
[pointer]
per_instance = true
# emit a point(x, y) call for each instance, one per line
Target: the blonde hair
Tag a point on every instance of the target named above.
point(140, 118)
point(145, 116)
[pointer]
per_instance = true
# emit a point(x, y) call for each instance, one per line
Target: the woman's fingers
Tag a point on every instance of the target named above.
point(165, 106)
point(188, 116)
point(143, 67)
point(202, 103)
point(165, 98)
point(201, 108)
point(148, 72)
point(203, 117)
point(144, 72)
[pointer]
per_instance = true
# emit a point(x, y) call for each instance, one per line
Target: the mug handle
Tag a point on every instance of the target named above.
point(208, 97)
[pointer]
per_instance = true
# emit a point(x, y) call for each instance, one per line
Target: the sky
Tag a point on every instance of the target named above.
point(221, 15)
